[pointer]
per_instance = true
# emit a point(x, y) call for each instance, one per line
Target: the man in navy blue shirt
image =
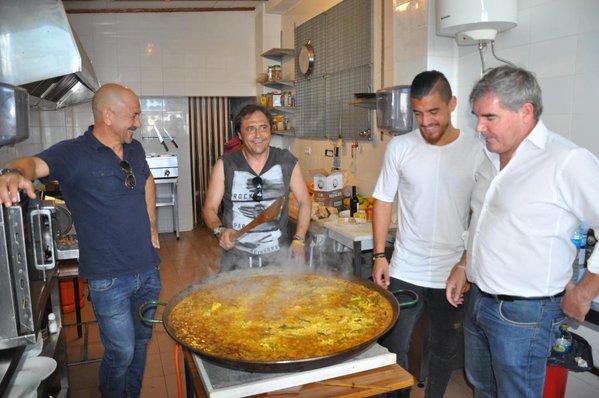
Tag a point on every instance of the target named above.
point(107, 185)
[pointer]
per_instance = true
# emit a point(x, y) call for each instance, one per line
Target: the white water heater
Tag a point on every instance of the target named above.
point(473, 21)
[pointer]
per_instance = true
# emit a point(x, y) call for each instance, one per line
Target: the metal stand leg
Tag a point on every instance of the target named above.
point(358, 259)
point(176, 209)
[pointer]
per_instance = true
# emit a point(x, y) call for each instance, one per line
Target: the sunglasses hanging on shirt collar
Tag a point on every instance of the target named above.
point(129, 176)
point(258, 193)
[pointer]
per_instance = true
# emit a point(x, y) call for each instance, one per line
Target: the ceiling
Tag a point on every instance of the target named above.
point(140, 5)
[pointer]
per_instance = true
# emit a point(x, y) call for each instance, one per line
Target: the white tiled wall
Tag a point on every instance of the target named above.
point(172, 54)
point(47, 128)
point(172, 113)
point(50, 127)
point(559, 41)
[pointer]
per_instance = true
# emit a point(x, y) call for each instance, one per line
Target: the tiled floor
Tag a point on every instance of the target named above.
point(192, 258)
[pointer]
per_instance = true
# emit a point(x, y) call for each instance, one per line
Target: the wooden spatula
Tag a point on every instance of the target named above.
point(272, 212)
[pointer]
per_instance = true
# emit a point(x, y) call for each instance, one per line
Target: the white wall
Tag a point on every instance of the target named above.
point(172, 113)
point(49, 127)
point(172, 54)
point(559, 41)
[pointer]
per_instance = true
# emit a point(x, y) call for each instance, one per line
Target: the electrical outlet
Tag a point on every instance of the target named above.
point(308, 151)
point(329, 153)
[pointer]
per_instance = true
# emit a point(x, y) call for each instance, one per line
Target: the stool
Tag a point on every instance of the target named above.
point(70, 270)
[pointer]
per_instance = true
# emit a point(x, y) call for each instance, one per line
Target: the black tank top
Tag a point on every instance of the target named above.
point(239, 206)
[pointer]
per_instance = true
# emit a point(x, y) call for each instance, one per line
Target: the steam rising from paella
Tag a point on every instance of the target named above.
point(271, 318)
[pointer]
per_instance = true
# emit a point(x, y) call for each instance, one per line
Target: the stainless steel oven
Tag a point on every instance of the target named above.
point(26, 253)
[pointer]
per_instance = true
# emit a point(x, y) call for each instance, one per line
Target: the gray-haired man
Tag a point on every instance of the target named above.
point(532, 191)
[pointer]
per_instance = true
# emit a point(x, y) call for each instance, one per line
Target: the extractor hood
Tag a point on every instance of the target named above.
point(40, 52)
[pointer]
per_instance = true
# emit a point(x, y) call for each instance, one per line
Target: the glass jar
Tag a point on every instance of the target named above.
point(269, 72)
point(276, 73)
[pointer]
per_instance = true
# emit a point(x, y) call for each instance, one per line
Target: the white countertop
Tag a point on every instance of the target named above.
point(224, 382)
point(348, 234)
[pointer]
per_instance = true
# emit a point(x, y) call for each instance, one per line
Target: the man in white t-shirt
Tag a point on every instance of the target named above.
point(431, 170)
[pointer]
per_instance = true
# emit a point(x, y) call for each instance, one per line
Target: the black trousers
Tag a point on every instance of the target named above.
point(444, 329)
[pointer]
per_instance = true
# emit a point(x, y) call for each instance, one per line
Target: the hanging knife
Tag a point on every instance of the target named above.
point(170, 137)
point(160, 139)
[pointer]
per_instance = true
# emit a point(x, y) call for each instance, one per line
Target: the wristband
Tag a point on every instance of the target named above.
point(8, 171)
point(378, 255)
point(461, 266)
point(298, 242)
point(297, 237)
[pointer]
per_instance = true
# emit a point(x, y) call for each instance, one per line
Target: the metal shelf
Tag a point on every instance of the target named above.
point(283, 109)
point(284, 132)
point(170, 200)
point(163, 203)
point(368, 103)
point(278, 54)
point(280, 84)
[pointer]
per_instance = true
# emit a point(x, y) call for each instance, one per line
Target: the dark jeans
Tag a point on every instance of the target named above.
point(125, 337)
point(444, 326)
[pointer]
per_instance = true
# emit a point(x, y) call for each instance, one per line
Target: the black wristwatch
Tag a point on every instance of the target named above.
point(218, 230)
point(8, 171)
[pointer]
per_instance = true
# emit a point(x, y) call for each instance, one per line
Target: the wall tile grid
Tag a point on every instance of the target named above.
point(172, 54)
point(49, 127)
point(364, 167)
point(559, 41)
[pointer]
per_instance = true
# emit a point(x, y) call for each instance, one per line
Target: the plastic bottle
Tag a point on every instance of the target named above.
point(579, 239)
point(52, 325)
point(354, 202)
point(563, 344)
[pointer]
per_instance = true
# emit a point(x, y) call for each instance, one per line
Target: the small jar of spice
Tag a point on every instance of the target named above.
point(276, 72)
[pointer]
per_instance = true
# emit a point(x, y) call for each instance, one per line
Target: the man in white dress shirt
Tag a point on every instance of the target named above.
point(431, 170)
point(532, 191)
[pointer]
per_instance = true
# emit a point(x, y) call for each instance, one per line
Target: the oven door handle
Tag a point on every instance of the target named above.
point(43, 258)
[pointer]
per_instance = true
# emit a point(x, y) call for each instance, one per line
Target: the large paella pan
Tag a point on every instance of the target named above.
point(277, 319)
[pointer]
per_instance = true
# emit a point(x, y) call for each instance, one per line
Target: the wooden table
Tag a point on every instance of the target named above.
point(363, 384)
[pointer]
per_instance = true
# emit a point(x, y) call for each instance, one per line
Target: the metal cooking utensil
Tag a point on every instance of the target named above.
point(170, 137)
point(272, 212)
point(160, 139)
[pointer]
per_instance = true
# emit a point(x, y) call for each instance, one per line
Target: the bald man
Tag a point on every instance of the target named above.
point(107, 185)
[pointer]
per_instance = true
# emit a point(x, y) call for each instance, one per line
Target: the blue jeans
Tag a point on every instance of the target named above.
point(508, 343)
point(444, 326)
point(125, 337)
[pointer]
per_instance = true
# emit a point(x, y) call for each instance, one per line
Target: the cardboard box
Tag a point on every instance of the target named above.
point(328, 182)
point(330, 198)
